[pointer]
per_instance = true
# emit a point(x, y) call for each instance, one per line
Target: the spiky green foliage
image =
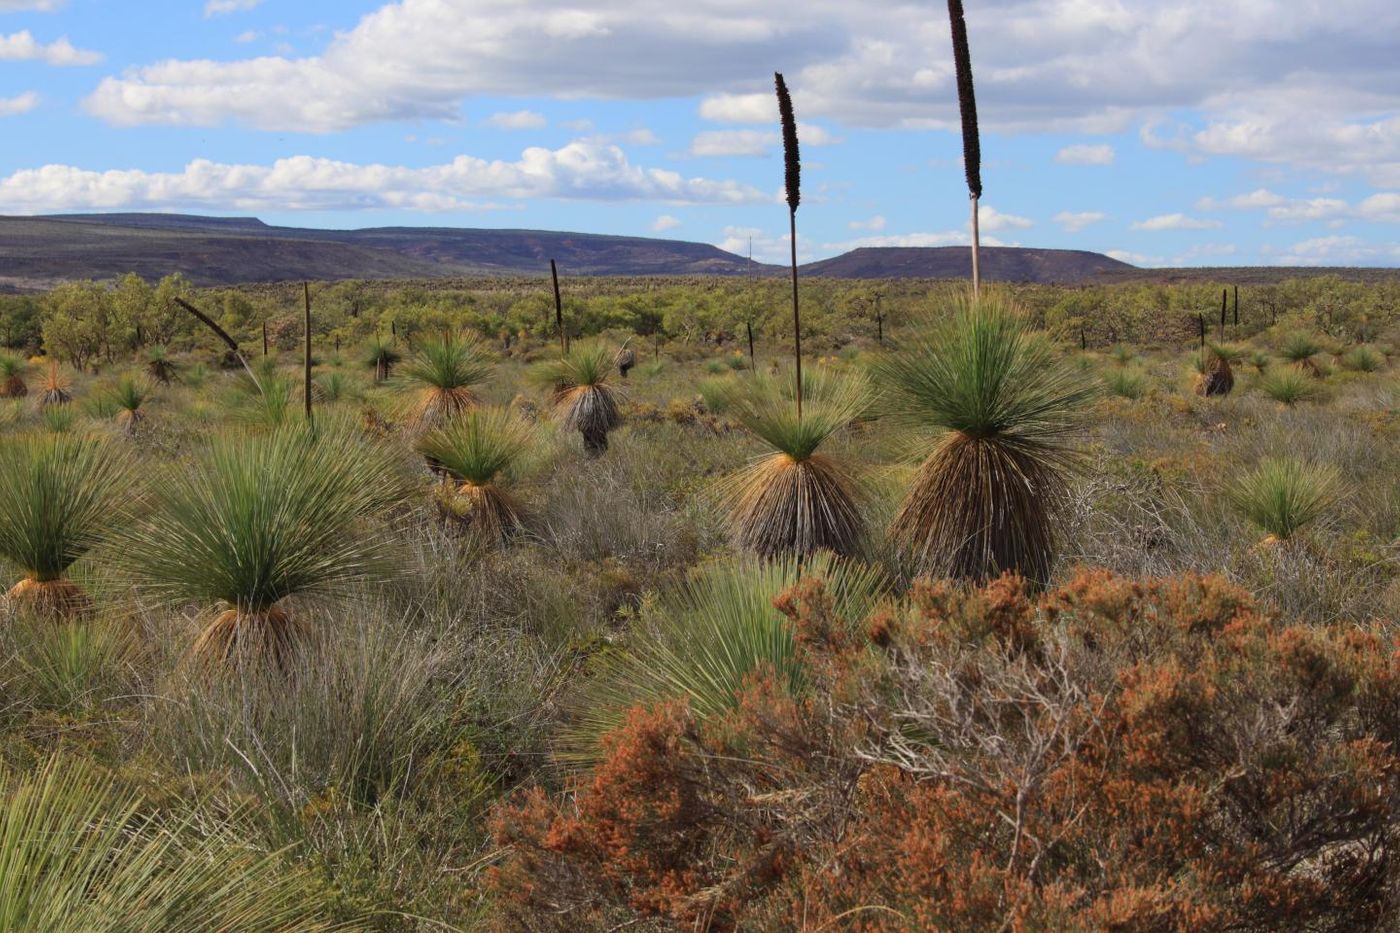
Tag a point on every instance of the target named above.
point(58, 419)
point(159, 365)
point(479, 446)
point(582, 395)
point(1128, 382)
point(707, 638)
point(263, 397)
point(79, 854)
point(478, 449)
point(1299, 346)
point(59, 498)
point(336, 386)
point(1122, 354)
point(1230, 352)
point(447, 371)
point(796, 500)
point(1259, 360)
point(999, 412)
point(1363, 359)
point(1283, 495)
point(12, 384)
point(57, 388)
point(381, 356)
point(1288, 384)
point(260, 517)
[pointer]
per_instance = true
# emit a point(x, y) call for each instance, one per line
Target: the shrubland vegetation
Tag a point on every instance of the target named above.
point(1015, 625)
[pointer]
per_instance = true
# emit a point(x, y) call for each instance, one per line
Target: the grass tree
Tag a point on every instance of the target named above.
point(709, 637)
point(582, 395)
point(1289, 385)
point(56, 389)
point(260, 519)
point(1283, 495)
point(159, 365)
point(382, 356)
point(262, 395)
point(60, 496)
point(447, 372)
point(998, 411)
point(1299, 348)
point(972, 145)
point(478, 450)
point(796, 499)
point(129, 396)
point(81, 854)
point(12, 384)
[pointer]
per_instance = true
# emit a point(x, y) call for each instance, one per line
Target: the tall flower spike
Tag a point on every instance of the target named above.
point(967, 100)
point(792, 163)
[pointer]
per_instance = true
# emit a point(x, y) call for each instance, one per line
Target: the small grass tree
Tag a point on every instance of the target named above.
point(60, 496)
point(447, 372)
point(796, 499)
point(583, 397)
point(1283, 495)
point(479, 450)
point(261, 518)
point(999, 410)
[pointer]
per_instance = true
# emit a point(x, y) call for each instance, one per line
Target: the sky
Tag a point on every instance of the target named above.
point(1161, 132)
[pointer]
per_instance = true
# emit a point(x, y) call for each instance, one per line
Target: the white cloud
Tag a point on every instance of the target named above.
point(225, 7)
point(1259, 198)
point(1135, 259)
point(946, 238)
point(577, 171)
point(23, 47)
point(1075, 221)
point(1382, 207)
point(1338, 251)
point(990, 219)
point(665, 222)
point(1176, 222)
point(740, 108)
point(1086, 155)
point(726, 143)
point(517, 120)
point(39, 6)
point(21, 103)
point(874, 223)
point(248, 35)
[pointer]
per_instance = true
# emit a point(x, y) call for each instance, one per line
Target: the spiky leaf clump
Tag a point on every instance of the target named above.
point(478, 450)
point(1299, 346)
point(159, 365)
point(57, 388)
point(999, 412)
point(1284, 495)
point(12, 384)
point(705, 640)
point(79, 854)
point(260, 518)
point(1289, 385)
point(586, 402)
point(1128, 382)
point(60, 497)
point(381, 356)
point(1363, 359)
point(129, 395)
point(1216, 377)
point(447, 370)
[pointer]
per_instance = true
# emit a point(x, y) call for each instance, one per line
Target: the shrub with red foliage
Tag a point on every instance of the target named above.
point(1115, 754)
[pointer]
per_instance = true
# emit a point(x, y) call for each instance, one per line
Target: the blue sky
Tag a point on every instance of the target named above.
point(1180, 132)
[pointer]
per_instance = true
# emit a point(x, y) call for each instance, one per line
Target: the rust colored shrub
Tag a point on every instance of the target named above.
point(1114, 755)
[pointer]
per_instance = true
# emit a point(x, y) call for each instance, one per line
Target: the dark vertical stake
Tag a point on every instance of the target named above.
point(1083, 340)
point(264, 338)
point(1202, 319)
point(558, 308)
point(306, 292)
point(394, 331)
point(879, 319)
point(1237, 306)
point(1224, 300)
point(753, 364)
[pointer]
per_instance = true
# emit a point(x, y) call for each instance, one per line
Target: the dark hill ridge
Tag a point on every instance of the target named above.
point(999, 264)
point(36, 251)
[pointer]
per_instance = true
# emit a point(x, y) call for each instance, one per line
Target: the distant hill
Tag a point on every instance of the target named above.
point(36, 251)
point(999, 264)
